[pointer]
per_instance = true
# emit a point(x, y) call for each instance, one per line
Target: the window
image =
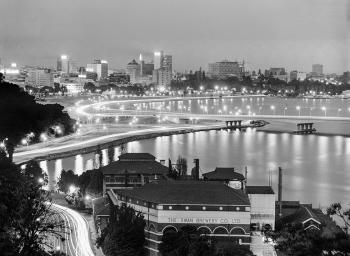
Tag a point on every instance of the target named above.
point(170, 207)
point(204, 208)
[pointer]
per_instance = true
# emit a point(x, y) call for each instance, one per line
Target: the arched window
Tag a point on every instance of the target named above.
point(204, 230)
point(237, 231)
point(220, 230)
point(169, 229)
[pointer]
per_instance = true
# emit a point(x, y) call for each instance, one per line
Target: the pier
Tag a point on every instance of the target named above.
point(305, 128)
point(235, 124)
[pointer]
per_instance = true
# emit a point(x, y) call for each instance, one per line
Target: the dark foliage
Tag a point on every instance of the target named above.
point(21, 115)
point(124, 235)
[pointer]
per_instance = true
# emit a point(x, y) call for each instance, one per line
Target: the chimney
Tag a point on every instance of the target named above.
point(280, 190)
point(196, 172)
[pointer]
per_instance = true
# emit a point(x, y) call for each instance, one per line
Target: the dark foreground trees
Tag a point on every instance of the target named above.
point(22, 118)
point(26, 218)
point(124, 234)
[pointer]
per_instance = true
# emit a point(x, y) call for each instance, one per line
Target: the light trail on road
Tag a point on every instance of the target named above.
point(77, 232)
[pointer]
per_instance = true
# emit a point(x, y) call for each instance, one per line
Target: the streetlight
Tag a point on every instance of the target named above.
point(298, 108)
point(284, 111)
point(339, 109)
point(325, 110)
point(273, 109)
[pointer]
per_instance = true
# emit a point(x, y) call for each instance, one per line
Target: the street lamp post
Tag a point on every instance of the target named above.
point(284, 111)
point(273, 109)
point(298, 108)
point(325, 111)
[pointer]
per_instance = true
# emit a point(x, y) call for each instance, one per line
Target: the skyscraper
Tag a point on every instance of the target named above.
point(157, 59)
point(317, 69)
point(100, 67)
point(63, 64)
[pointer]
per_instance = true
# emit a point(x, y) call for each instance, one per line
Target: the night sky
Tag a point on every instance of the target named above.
point(265, 33)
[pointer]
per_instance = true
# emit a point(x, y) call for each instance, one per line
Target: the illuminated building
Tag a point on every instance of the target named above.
point(40, 78)
point(163, 69)
point(225, 69)
point(133, 70)
point(216, 210)
point(100, 67)
point(157, 59)
point(63, 64)
point(278, 73)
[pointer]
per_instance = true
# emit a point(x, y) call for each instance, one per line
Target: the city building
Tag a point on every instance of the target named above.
point(63, 64)
point(317, 69)
point(278, 73)
point(163, 70)
point(133, 70)
point(224, 69)
point(100, 67)
point(297, 75)
point(37, 77)
point(215, 209)
point(158, 59)
point(132, 170)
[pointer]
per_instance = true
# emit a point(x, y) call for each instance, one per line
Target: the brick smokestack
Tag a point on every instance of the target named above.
point(280, 190)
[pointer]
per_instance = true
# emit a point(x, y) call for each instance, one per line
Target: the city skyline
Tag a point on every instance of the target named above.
point(200, 37)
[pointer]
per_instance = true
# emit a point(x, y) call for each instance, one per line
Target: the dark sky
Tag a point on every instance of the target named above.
point(265, 33)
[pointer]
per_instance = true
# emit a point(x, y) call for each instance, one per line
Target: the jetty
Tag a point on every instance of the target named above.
point(305, 128)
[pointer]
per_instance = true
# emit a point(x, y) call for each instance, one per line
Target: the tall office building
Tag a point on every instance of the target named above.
point(317, 69)
point(63, 64)
point(167, 62)
point(40, 78)
point(163, 69)
point(133, 70)
point(157, 59)
point(297, 75)
point(100, 67)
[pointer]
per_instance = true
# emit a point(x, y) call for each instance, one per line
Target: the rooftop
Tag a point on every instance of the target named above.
point(223, 173)
point(259, 190)
point(137, 156)
point(187, 192)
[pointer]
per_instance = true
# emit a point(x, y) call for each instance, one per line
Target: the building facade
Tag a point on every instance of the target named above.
point(297, 75)
point(132, 170)
point(100, 67)
point(215, 209)
point(63, 64)
point(224, 69)
point(317, 69)
point(40, 77)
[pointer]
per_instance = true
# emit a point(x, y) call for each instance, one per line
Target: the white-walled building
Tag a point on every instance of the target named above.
point(262, 201)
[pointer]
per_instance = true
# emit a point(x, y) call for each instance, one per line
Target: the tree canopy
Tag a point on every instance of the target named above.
point(21, 115)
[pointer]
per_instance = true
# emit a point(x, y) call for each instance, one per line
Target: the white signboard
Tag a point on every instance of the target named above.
point(204, 220)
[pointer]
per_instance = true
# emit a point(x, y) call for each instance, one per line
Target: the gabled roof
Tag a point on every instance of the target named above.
point(223, 173)
point(303, 215)
point(135, 167)
point(188, 192)
point(137, 156)
point(259, 190)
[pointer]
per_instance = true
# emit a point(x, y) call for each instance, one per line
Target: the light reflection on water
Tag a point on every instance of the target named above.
point(315, 168)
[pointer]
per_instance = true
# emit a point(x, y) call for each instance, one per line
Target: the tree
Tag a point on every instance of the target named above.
point(67, 179)
point(96, 183)
point(187, 241)
point(181, 164)
point(26, 217)
point(336, 210)
point(20, 115)
point(89, 87)
point(235, 250)
point(124, 234)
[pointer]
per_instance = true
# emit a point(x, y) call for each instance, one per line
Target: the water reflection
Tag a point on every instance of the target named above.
point(314, 167)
